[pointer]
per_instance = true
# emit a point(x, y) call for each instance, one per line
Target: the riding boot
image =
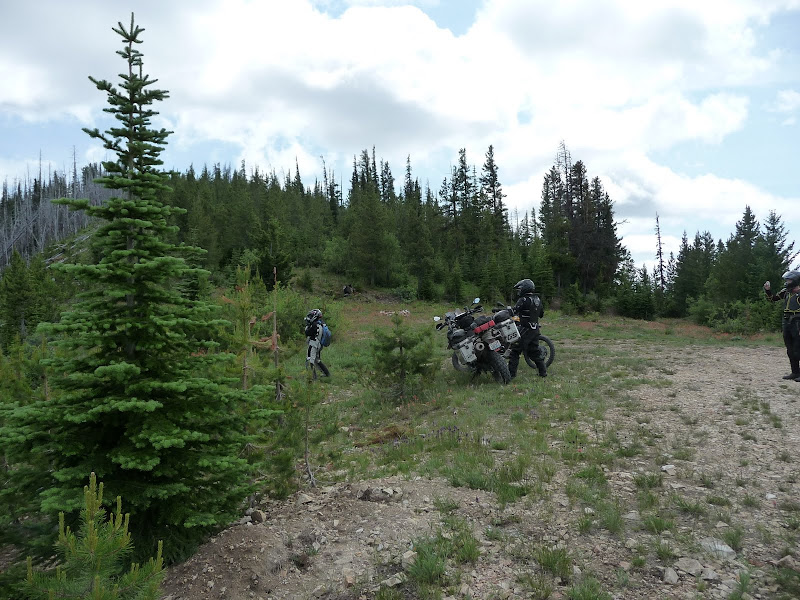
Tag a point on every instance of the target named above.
point(323, 368)
point(542, 368)
point(513, 364)
point(795, 364)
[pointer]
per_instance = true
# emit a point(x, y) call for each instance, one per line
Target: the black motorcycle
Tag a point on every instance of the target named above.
point(477, 342)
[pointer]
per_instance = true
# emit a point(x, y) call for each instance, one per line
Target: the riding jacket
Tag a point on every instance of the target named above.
point(530, 309)
point(791, 303)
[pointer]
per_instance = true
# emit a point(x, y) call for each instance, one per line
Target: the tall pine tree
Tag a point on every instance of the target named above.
point(135, 396)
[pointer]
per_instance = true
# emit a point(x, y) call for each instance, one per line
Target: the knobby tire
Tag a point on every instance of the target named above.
point(545, 344)
point(499, 367)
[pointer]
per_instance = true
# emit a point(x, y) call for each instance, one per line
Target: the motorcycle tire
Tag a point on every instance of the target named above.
point(459, 366)
point(545, 345)
point(499, 367)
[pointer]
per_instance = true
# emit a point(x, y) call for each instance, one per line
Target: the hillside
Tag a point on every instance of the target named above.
point(655, 461)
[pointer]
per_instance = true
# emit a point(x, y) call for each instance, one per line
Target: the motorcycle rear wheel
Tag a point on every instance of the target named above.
point(547, 347)
point(499, 367)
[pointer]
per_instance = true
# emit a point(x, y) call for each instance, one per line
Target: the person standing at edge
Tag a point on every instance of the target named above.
point(530, 309)
point(790, 295)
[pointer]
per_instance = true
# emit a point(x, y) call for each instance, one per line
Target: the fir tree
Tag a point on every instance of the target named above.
point(643, 302)
point(775, 256)
point(403, 357)
point(661, 279)
point(735, 272)
point(15, 301)
point(541, 270)
point(92, 563)
point(137, 400)
point(454, 283)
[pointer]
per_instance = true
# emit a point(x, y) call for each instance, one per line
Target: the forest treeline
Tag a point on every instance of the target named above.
point(419, 243)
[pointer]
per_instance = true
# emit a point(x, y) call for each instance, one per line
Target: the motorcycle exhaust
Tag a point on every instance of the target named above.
point(479, 346)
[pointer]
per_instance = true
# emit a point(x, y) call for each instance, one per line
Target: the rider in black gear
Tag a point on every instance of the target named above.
point(529, 308)
point(790, 296)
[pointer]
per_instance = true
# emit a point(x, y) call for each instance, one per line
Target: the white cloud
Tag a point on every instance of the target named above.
point(275, 82)
point(643, 189)
point(787, 101)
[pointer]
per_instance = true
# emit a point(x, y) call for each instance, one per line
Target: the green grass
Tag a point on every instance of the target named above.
point(388, 593)
point(555, 561)
point(742, 589)
point(750, 501)
point(525, 442)
point(588, 589)
point(733, 536)
point(694, 508)
point(664, 550)
point(445, 505)
point(648, 481)
point(538, 586)
point(657, 524)
point(431, 561)
point(718, 500)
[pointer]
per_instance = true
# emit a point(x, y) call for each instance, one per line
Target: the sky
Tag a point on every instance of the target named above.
point(687, 110)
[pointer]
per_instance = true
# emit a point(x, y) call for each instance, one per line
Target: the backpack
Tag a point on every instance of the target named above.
point(311, 332)
point(326, 335)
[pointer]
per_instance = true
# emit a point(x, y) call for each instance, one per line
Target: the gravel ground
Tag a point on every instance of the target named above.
point(723, 434)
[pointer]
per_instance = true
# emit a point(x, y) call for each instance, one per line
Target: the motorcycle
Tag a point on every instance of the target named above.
point(547, 348)
point(477, 342)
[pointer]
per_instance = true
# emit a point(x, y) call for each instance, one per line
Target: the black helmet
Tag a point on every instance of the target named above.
point(525, 286)
point(313, 315)
point(791, 279)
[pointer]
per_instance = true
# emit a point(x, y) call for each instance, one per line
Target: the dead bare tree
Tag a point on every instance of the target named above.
point(30, 222)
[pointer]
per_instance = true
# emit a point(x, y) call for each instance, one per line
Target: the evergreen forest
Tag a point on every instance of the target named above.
point(133, 300)
point(408, 239)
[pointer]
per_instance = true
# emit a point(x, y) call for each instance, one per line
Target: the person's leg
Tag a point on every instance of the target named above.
point(793, 348)
point(321, 364)
point(521, 348)
point(537, 356)
point(513, 361)
point(789, 342)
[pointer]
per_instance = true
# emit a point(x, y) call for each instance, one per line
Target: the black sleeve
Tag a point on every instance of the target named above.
point(775, 297)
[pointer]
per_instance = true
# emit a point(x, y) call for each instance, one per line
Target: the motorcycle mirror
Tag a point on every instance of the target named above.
point(476, 300)
point(437, 318)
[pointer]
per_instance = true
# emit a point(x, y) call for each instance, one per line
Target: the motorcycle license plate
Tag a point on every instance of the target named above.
point(494, 345)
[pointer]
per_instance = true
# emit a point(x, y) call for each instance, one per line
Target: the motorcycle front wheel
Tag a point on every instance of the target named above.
point(499, 367)
point(547, 348)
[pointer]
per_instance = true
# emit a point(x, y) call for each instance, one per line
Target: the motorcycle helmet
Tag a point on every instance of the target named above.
point(791, 279)
point(313, 315)
point(524, 286)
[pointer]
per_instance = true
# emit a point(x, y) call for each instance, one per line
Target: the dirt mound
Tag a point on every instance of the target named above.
point(322, 541)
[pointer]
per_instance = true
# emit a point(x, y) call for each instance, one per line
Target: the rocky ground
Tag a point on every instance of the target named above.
point(723, 432)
